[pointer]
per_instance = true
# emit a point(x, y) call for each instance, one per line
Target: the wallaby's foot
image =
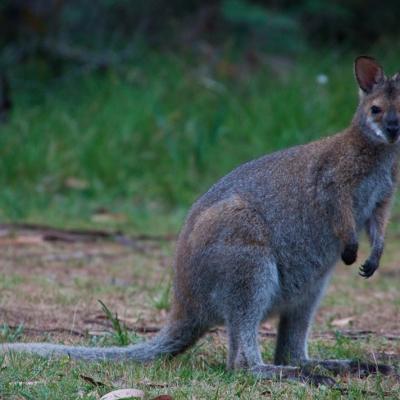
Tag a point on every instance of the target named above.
point(349, 254)
point(266, 371)
point(360, 368)
point(368, 269)
point(317, 379)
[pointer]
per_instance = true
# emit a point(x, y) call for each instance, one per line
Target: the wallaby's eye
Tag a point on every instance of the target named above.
point(375, 110)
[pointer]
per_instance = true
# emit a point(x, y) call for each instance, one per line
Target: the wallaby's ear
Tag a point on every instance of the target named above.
point(368, 73)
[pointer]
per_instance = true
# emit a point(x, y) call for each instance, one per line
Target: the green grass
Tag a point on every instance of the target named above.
point(145, 141)
point(120, 331)
point(199, 374)
point(8, 334)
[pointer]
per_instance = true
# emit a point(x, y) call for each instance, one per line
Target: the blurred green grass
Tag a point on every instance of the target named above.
point(146, 140)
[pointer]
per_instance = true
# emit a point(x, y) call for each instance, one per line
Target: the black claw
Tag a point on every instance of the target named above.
point(368, 269)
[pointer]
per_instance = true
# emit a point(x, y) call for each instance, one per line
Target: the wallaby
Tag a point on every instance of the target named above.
point(265, 238)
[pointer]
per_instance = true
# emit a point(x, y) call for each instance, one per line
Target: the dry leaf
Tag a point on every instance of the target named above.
point(339, 323)
point(124, 394)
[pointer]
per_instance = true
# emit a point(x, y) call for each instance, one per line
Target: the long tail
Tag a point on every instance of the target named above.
point(171, 340)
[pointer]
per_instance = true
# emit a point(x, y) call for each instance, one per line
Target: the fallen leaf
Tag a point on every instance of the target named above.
point(342, 322)
point(123, 394)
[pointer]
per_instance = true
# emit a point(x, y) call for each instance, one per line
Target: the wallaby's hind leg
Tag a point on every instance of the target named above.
point(244, 351)
point(244, 303)
point(246, 310)
point(245, 300)
point(233, 348)
point(294, 325)
point(291, 346)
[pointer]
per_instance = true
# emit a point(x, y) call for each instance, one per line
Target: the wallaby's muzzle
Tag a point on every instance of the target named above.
point(392, 126)
point(392, 134)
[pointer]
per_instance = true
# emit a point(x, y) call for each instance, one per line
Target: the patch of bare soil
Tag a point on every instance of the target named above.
point(51, 285)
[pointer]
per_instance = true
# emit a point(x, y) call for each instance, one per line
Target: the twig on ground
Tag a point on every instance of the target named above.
point(71, 332)
point(51, 234)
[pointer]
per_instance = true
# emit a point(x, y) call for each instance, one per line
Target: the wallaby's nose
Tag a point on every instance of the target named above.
point(392, 126)
point(393, 130)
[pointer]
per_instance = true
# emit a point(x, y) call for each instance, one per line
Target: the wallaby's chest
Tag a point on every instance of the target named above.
point(371, 191)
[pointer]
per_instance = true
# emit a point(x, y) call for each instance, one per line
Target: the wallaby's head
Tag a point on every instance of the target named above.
point(378, 114)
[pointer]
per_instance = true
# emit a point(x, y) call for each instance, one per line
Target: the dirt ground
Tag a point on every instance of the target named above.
point(51, 285)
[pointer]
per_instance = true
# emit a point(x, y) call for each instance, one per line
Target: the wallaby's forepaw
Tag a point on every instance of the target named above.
point(368, 269)
point(349, 254)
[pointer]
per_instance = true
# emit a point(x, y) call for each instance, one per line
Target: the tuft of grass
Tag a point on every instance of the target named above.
point(120, 331)
point(342, 348)
point(8, 334)
point(10, 281)
point(161, 301)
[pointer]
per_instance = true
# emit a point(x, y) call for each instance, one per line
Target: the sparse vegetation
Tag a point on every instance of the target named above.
point(120, 332)
point(201, 371)
point(161, 300)
point(8, 334)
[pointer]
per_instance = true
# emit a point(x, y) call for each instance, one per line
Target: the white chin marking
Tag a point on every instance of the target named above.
point(375, 128)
